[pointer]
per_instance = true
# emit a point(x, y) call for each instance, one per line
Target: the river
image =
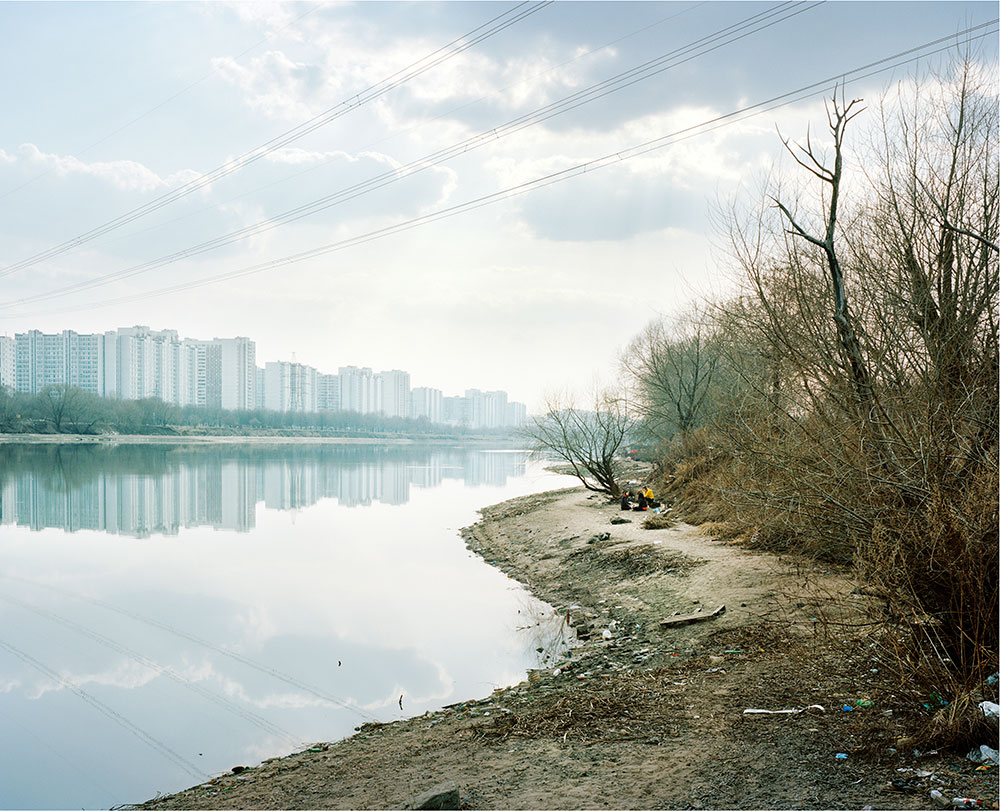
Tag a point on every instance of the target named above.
point(170, 612)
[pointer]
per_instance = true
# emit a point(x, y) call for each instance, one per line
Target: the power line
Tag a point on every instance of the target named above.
point(416, 127)
point(107, 711)
point(354, 102)
point(624, 79)
point(622, 155)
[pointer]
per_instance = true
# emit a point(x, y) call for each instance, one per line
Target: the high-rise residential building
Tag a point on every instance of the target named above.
point(289, 386)
point(8, 366)
point(192, 372)
point(453, 411)
point(259, 393)
point(140, 362)
point(357, 392)
point(517, 414)
point(427, 403)
point(327, 392)
point(237, 373)
point(393, 393)
point(64, 358)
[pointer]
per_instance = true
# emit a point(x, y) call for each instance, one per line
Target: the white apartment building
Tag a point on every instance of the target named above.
point(427, 403)
point(8, 366)
point(327, 392)
point(137, 362)
point(357, 390)
point(393, 393)
point(289, 386)
point(63, 358)
point(238, 373)
point(517, 414)
point(133, 363)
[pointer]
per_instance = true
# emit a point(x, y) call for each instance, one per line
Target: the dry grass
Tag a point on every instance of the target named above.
point(658, 521)
point(635, 561)
point(631, 706)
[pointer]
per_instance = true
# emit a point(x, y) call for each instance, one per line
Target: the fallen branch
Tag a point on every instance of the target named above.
point(687, 619)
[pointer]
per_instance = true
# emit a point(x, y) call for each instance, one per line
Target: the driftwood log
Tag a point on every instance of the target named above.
point(687, 619)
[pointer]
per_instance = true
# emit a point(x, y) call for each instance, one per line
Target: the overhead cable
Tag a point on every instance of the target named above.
point(354, 102)
point(648, 69)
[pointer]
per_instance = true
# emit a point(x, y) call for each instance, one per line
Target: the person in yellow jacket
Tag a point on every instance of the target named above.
point(649, 494)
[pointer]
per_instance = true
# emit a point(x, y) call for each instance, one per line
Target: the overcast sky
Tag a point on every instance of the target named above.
point(107, 107)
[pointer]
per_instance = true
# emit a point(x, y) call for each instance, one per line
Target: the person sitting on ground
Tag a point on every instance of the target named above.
point(625, 501)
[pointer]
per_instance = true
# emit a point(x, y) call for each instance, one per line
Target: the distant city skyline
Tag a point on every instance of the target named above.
point(486, 195)
point(132, 363)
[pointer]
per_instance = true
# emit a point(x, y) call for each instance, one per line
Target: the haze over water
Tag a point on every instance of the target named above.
point(167, 613)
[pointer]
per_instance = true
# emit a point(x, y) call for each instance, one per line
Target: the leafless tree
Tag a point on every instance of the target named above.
point(673, 366)
point(588, 440)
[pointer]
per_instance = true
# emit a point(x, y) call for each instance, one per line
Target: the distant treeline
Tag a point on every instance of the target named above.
point(70, 410)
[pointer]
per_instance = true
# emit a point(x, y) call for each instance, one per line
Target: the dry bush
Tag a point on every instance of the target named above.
point(865, 426)
point(658, 521)
point(937, 576)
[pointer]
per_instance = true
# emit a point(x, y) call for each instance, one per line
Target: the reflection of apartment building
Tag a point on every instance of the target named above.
point(223, 491)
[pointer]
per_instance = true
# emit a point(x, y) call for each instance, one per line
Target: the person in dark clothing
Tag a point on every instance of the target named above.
point(625, 501)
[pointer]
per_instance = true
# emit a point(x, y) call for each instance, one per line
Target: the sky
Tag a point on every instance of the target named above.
point(347, 171)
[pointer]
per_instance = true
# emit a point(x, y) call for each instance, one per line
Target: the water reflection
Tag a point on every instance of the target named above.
point(130, 668)
point(138, 491)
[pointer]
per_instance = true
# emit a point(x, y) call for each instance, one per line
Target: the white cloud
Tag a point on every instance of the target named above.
point(275, 85)
point(124, 174)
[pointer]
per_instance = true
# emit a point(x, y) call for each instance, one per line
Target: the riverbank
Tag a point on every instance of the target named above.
point(642, 715)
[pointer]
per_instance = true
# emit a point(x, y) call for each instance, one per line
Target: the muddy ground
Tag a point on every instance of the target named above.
point(639, 715)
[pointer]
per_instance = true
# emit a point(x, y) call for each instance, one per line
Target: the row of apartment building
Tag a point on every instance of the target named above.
point(132, 363)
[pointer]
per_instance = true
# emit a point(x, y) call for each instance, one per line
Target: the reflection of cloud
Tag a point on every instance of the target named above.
point(127, 675)
point(9, 685)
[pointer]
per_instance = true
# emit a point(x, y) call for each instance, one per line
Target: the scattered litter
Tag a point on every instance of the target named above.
point(903, 785)
point(986, 755)
point(841, 756)
point(993, 679)
point(966, 802)
point(940, 799)
point(606, 633)
point(864, 702)
point(990, 709)
point(848, 708)
point(785, 712)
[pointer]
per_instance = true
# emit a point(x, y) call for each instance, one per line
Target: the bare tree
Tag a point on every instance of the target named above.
point(673, 366)
point(588, 440)
point(68, 409)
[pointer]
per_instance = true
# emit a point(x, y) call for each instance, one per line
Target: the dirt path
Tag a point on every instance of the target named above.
point(638, 716)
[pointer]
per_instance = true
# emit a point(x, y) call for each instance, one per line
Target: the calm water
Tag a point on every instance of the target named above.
point(168, 613)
